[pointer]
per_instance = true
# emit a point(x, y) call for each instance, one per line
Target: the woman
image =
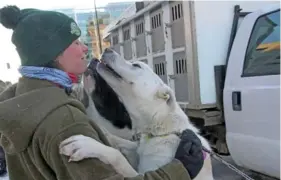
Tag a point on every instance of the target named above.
point(38, 112)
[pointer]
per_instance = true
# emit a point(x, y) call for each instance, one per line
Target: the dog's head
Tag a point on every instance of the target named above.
point(105, 99)
point(144, 94)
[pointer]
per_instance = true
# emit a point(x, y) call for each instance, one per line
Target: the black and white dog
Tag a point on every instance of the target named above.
point(122, 94)
point(102, 103)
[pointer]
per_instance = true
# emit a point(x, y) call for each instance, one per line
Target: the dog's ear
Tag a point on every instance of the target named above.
point(164, 93)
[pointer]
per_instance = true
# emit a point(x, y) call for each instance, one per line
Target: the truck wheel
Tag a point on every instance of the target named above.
point(221, 148)
point(214, 134)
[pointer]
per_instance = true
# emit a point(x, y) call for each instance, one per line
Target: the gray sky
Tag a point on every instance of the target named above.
point(48, 4)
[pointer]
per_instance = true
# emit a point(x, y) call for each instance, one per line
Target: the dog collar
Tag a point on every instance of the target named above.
point(148, 136)
point(137, 136)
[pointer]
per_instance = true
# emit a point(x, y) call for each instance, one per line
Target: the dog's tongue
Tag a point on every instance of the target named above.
point(204, 154)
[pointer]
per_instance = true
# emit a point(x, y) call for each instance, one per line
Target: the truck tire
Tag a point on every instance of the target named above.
point(220, 144)
point(216, 135)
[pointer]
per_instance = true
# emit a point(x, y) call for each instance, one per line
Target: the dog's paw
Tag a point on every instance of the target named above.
point(80, 147)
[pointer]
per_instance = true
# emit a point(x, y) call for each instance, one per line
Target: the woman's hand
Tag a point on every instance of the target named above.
point(190, 153)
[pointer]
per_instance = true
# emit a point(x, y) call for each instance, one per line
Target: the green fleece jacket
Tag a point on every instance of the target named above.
point(35, 117)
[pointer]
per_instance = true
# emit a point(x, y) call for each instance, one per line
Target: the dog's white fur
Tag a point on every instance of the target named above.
point(88, 84)
point(153, 109)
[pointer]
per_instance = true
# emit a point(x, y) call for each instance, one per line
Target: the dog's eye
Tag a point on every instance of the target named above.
point(136, 65)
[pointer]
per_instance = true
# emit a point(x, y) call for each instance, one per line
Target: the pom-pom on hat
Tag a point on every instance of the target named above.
point(39, 36)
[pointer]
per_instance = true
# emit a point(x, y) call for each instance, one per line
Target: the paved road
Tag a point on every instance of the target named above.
point(221, 172)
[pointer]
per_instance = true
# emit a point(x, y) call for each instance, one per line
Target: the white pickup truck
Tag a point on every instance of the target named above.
point(247, 83)
point(251, 93)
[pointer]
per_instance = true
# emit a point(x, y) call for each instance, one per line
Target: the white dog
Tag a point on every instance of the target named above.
point(156, 118)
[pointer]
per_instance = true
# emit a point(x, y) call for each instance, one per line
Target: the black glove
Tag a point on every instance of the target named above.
point(190, 153)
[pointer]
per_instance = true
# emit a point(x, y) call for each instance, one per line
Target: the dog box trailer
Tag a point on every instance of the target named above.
point(198, 48)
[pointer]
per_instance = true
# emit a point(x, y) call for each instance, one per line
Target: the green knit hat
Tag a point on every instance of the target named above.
point(39, 36)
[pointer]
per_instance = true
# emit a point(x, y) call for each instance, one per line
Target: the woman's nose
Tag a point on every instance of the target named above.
point(84, 48)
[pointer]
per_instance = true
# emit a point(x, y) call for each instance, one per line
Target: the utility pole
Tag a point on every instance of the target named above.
point(98, 27)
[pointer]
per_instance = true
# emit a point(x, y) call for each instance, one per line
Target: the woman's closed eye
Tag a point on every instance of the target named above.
point(136, 65)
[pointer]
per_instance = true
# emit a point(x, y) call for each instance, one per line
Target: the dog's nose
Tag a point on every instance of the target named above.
point(91, 69)
point(93, 63)
point(108, 50)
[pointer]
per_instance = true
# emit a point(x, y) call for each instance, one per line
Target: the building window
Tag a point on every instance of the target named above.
point(139, 28)
point(126, 34)
point(159, 69)
point(156, 21)
point(181, 66)
point(177, 12)
point(115, 39)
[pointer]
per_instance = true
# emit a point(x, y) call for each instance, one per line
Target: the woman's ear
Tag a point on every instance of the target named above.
point(57, 63)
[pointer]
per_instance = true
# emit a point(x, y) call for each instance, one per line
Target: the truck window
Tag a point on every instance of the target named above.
point(263, 52)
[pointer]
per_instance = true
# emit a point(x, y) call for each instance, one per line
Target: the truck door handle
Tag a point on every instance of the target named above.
point(236, 101)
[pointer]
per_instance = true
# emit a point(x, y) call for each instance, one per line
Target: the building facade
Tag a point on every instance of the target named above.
point(86, 20)
point(94, 39)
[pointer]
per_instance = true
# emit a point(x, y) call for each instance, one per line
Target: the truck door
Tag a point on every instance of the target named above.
point(252, 93)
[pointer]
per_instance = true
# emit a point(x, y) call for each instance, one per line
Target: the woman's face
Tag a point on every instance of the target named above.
point(73, 59)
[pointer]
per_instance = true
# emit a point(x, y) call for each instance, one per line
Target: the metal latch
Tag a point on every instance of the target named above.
point(172, 76)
